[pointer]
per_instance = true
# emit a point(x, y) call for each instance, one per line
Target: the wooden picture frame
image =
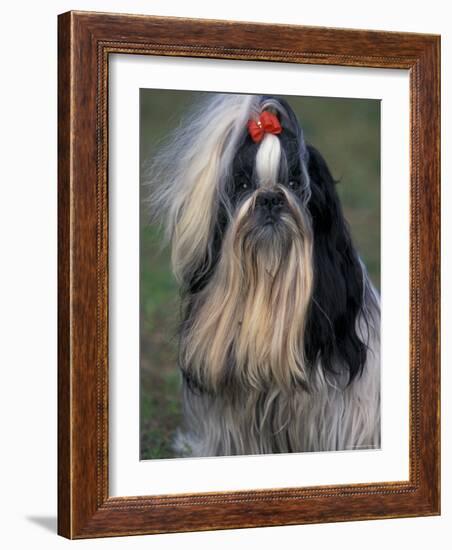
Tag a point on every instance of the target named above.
point(85, 43)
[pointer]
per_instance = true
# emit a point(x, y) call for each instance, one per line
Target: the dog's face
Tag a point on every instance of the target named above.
point(260, 246)
point(268, 188)
point(286, 170)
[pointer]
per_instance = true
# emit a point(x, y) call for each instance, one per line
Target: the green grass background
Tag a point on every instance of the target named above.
point(347, 133)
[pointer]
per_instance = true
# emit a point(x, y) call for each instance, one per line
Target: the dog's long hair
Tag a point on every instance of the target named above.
point(279, 337)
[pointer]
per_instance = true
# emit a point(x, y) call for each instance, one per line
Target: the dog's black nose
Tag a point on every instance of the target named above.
point(272, 201)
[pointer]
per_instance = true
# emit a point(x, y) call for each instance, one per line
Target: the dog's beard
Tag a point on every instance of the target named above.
point(247, 325)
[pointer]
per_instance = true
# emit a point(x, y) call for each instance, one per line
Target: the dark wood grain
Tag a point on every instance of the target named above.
point(64, 295)
point(85, 42)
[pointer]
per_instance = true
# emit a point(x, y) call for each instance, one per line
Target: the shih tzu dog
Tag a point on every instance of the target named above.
point(279, 340)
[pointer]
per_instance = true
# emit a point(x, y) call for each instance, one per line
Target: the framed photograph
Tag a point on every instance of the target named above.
point(248, 275)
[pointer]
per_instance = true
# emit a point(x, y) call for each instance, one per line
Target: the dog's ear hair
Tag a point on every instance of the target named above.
point(332, 329)
point(186, 180)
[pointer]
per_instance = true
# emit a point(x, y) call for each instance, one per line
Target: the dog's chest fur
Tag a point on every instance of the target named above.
point(327, 418)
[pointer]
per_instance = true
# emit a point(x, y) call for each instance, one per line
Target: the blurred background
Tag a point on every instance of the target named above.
point(346, 132)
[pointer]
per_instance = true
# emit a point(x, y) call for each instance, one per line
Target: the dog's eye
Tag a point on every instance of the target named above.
point(294, 184)
point(242, 183)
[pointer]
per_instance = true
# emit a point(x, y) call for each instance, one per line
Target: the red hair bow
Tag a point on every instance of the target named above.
point(267, 123)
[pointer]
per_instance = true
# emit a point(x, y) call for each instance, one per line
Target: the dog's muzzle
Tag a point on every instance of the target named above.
point(269, 205)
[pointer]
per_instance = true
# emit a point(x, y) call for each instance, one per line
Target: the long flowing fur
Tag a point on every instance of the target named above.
point(279, 339)
point(188, 177)
point(247, 324)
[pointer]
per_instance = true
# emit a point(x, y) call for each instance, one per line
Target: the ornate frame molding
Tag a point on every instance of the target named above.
point(85, 42)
